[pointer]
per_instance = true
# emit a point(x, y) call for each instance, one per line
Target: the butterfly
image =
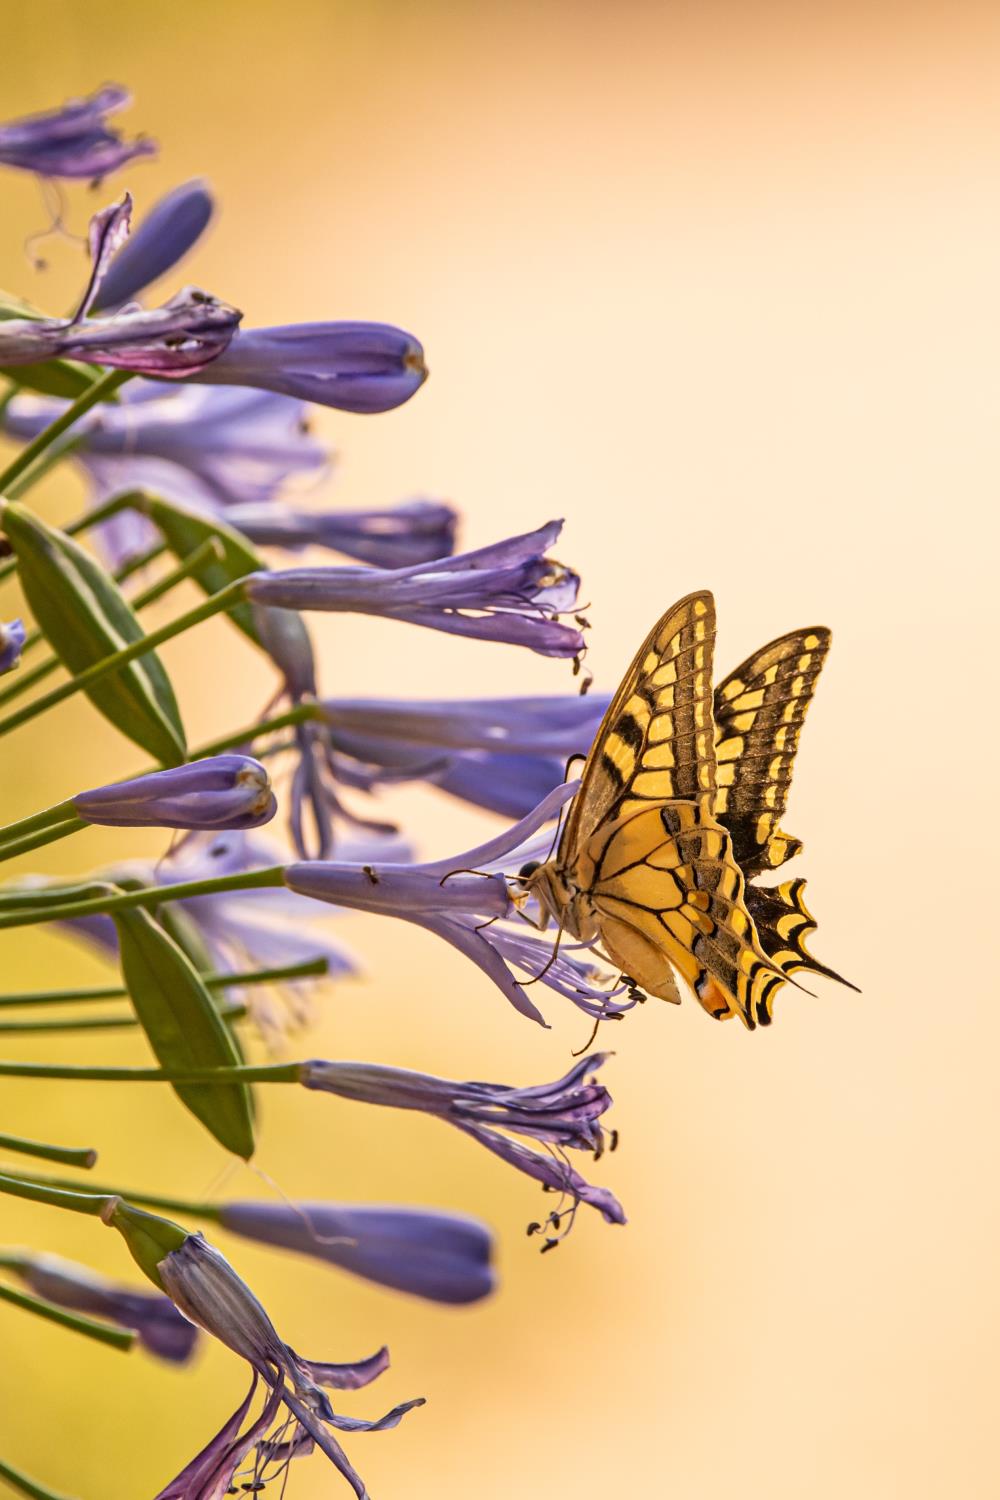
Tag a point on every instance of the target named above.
point(678, 813)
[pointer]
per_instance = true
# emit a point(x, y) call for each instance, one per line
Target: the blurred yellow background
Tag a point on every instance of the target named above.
point(717, 283)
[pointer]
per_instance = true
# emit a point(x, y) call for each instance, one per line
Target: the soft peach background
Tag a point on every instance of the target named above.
point(717, 282)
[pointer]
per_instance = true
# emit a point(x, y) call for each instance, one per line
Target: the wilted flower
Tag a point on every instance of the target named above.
point(224, 791)
point(416, 531)
point(561, 1116)
point(510, 591)
point(164, 237)
point(74, 140)
point(206, 1289)
point(12, 638)
point(161, 1328)
point(504, 754)
point(175, 340)
point(358, 367)
point(466, 901)
point(440, 1256)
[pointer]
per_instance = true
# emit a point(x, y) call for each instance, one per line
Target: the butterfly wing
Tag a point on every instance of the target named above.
point(783, 923)
point(759, 710)
point(666, 892)
point(656, 739)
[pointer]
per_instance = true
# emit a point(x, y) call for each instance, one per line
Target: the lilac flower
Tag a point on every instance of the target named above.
point(211, 449)
point(504, 754)
point(470, 911)
point(225, 791)
point(206, 1289)
point(358, 367)
point(440, 1256)
point(74, 140)
point(417, 531)
point(163, 238)
point(172, 341)
point(12, 639)
point(508, 592)
point(161, 1328)
point(561, 1116)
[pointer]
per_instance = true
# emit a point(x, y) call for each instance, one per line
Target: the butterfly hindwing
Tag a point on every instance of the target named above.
point(783, 923)
point(759, 710)
point(667, 891)
point(656, 739)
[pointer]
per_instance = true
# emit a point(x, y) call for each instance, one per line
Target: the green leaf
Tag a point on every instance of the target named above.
point(185, 1031)
point(86, 617)
point(184, 532)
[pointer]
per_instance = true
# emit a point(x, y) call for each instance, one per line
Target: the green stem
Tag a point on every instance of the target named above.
point(244, 1073)
point(39, 1192)
point(225, 599)
point(118, 1338)
point(156, 895)
point(36, 822)
point(302, 714)
point(67, 1156)
point(313, 968)
point(55, 455)
point(99, 391)
point(145, 1200)
point(99, 1023)
point(25, 680)
point(43, 837)
point(26, 1486)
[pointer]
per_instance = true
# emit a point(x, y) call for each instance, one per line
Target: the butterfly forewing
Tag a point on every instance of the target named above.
point(759, 710)
point(656, 739)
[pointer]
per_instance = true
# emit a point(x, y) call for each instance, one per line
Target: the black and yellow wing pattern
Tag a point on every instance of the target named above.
point(759, 711)
point(643, 843)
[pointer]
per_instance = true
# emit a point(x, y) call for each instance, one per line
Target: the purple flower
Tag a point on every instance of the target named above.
point(504, 754)
point(163, 238)
point(211, 449)
point(560, 1116)
point(470, 911)
point(417, 531)
point(206, 1289)
point(225, 791)
point(161, 1328)
point(440, 1256)
point(74, 140)
point(359, 367)
point(172, 341)
point(509, 592)
point(12, 639)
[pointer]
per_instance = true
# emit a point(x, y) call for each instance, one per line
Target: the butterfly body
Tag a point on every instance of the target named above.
point(668, 827)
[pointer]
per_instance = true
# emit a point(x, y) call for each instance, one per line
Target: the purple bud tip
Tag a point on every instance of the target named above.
point(224, 791)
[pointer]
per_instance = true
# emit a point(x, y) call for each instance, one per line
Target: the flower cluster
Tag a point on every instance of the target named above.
point(193, 432)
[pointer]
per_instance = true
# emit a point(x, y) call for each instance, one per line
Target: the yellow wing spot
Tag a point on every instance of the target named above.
point(770, 676)
point(798, 683)
point(781, 735)
point(730, 749)
point(725, 774)
point(659, 758)
point(656, 784)
point(665, 689)
point(764, 823)
point(733, 689)
point(751, 700)
point(700, 608)
point(811, 642)
point(774, 769)
point(771, 795)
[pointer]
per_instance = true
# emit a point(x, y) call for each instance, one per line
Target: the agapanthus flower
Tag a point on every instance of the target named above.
point(173, 225)
point(224, 791)
point(12, 638)
point(357, 367)
point(161, 1328)
point(442, 1257)
point(206, 1289)
point(398, 536)
point(467, 901)
point(511, 592)
point(172, 341)
point(209, 448)
point(503, 754)
point(74, 140)
point(560, 1116)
